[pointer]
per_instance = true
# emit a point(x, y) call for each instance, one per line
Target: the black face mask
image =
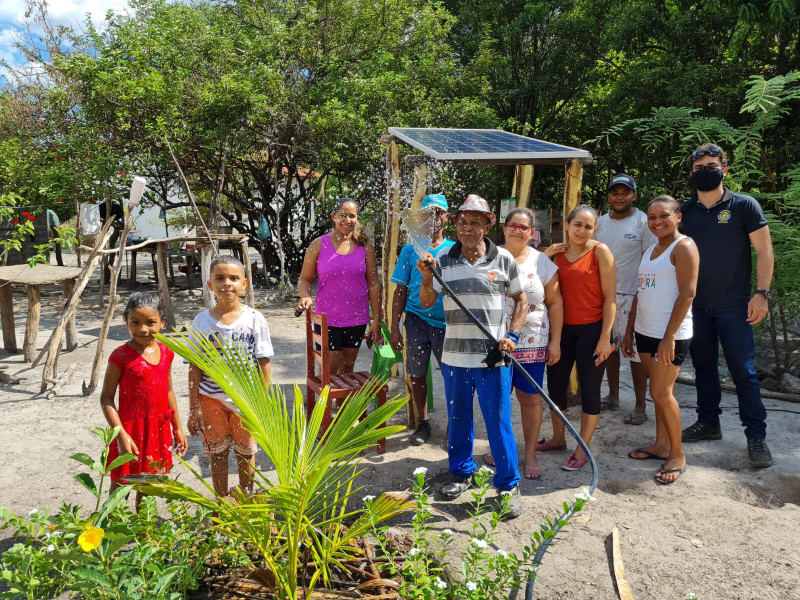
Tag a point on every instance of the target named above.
point(706, 179)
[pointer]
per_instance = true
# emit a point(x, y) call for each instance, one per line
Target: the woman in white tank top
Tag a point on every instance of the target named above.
point(661, 321)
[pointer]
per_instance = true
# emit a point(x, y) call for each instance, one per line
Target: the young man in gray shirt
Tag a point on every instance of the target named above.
point(624, 230)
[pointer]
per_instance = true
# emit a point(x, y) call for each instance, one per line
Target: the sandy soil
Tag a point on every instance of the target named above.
point(724, 531)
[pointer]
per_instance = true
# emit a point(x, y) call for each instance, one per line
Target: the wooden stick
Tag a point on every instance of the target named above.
point(7, 317)
point(112, 305)
point(72, 334)
point(686, 380)
point(250, 297)
point(205, 275)
point(54, 343)
point(163, 284)
point(619, 570)
point(32, 324)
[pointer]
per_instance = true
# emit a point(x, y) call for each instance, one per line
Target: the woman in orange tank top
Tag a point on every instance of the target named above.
point(587, 279)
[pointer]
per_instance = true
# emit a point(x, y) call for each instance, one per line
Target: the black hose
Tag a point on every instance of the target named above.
point(537, 559)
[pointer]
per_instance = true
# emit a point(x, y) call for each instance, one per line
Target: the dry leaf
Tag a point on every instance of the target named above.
point(584, 518)
point(626, 526)
point(696, 543)
point(651, 502)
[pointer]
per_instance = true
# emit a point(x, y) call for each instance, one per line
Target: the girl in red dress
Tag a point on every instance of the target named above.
point(148, 412)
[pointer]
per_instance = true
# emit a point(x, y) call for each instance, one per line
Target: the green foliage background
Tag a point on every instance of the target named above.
point(275, 107)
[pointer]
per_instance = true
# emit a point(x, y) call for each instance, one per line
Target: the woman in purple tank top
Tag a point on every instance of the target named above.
point(347, 270)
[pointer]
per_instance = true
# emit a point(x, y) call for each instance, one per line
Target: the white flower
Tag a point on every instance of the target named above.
point(485, 469)
point(472, 586)
point(585, 495)
point(447, 532)
point(413, 552)
point(478, 543)
point(691, 596)
point(420, 471)
point(505, 492)
point(50, 548)
point(503, 553)
point(368, 498)
point(440, 584)
point(33, 512)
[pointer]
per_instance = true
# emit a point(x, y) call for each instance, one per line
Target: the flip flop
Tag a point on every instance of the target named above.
point(635, 418)
point(488, 459)
point(543, 446)
point(649, 456)
point(608, 406)
point(662, 470)
point(531, 472)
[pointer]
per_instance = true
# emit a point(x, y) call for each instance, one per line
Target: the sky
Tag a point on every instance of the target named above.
point(62, 12)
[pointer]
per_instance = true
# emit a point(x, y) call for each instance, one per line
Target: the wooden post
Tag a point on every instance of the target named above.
point(72, 334)
point(250, 297)
point(523, 180)
point(393, 207)
point(163, 284)
point(32, 325)
point(573, 173)
point(7, 317)
point(206, 252)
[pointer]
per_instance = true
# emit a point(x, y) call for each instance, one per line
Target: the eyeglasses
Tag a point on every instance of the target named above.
point(516, 226)
point(710, 151)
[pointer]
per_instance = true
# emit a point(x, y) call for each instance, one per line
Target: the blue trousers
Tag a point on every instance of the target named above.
point(729, 327)
point(494, 396)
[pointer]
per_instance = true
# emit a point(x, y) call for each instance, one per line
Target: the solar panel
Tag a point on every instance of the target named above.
point(483, 144)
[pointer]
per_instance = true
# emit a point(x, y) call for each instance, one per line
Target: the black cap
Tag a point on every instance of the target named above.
point(622, 179)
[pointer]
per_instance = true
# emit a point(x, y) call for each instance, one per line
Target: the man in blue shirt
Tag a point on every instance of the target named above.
point(424, 326)
point(724, 225)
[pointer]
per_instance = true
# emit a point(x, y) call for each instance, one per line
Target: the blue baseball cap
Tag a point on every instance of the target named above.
point(437, 200)
point(623, 179)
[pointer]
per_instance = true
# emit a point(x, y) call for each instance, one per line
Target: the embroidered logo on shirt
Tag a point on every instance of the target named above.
point(492, 276)
point(724, 216)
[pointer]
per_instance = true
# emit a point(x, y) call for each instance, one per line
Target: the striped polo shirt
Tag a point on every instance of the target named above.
point(482, 288)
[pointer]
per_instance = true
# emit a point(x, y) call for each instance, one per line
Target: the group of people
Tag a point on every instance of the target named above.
point(628, 281)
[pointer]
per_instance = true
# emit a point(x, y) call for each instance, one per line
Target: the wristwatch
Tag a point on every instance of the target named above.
point(766, 293)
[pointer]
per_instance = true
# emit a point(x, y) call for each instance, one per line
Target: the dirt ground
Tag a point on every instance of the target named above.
point(723, 531)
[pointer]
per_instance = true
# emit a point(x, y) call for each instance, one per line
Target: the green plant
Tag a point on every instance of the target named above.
point(484, 574)
point(112, 553)
point(22, 227)
point(300, 518)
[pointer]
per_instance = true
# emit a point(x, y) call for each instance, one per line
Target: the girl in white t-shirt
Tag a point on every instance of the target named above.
point(661, 320)
point(540, 338)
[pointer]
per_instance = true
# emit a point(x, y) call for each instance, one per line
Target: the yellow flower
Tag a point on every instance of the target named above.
point(91, 538)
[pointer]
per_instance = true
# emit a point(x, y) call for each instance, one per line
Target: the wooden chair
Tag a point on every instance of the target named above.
point(341, 386)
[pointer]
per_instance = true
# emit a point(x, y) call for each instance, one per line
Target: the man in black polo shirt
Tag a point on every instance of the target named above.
point(724, 225)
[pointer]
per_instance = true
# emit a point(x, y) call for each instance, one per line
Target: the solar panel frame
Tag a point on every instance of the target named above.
point(476, 145)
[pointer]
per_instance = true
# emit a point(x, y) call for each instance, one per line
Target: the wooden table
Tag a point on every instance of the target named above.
point(33, 277)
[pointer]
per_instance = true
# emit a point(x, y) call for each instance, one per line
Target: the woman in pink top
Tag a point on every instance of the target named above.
point(345, 263)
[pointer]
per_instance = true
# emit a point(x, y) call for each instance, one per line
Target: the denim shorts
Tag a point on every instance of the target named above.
point(521, 383)
point(421, 339)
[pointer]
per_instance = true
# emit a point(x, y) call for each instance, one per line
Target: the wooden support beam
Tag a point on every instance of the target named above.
point(72, 333)
point(206, 256)
point(523, 181)
point(7, 317)
point(32, 325)
point(163, 284)
point(573, 173)
point(250, 295)
point(393, 207)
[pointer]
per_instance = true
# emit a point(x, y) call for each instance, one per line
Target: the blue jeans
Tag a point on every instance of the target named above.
point(494, 396)
point(729, 327)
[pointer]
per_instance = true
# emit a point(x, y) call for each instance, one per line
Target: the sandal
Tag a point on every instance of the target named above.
point(635, 418)
point(662, 470)
point(647, 455)
point(532, 472)
point(609, 406)
point(488, 459)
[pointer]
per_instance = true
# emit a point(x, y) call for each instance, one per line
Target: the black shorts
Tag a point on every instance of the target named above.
point(649, 345)
point(344, 337)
